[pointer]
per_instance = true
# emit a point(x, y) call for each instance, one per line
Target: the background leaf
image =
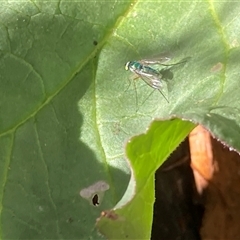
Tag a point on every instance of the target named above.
point(66, 109)
point(147, 152)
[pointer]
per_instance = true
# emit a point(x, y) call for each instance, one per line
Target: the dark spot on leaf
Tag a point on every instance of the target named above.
point(70, 220)
point(95, 43)
point(95, 200)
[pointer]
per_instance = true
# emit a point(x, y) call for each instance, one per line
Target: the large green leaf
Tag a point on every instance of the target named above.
point(66, 110)
point(47, 64)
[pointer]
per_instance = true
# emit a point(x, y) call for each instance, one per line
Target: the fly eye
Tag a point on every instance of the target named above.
point(127, 66)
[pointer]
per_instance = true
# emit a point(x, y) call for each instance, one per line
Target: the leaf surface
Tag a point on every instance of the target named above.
point(67, 110)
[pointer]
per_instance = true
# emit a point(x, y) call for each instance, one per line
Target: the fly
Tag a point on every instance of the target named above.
point(149, 75)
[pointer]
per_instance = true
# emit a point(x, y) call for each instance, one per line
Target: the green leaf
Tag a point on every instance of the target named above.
point(133, 217)
point(47, 63)
point(203, 89)
point(66, 108)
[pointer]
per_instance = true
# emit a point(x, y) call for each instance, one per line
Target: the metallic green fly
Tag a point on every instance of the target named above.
point(151, 76)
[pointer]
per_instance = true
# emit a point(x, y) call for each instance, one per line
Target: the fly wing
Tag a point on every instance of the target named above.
point(153, 82)
point(154, 61)
point(158, 59)
point(162, 61)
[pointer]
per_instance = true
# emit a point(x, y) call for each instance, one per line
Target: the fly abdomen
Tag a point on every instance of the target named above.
point(150, 70)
